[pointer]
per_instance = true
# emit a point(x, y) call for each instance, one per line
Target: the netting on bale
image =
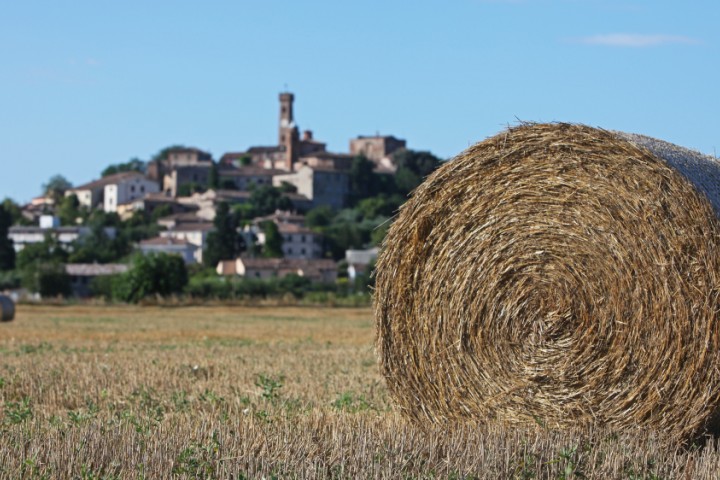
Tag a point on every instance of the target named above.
point(557, 274)
point(7, 309)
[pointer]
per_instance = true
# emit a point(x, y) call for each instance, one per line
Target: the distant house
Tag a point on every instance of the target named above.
point(206, 202)
point(377, 148)
point(82, 275)
point(281, 216)
point(125, 188)
point(322, 186)
point(326, 161)
point(246, 176)
point(319, 271)
point(171, 221)
point(50, 226)
point(153, 201)
point(175, 158)
point(171, 246)
point(298, 241)
point(193, 233)
point(359, 260)
point(186, 175)
point(38, 207)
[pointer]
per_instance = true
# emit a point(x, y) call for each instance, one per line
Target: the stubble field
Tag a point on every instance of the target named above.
point(237, 392)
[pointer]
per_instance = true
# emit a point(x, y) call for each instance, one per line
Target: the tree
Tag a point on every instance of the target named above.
point(55, 187)
point(47, 279)
point(273, 240)
point(98, 247)
point(153, 274)
point(266, 199)
point(223, 243)
point(412, 168)
point(362, 179)
point(163, 154)
point(132, 165)
point(15, 212)
point(213, 177)
point(7, 249)
point(287, 187)
point(320, 216)
point(70, 210)
point(187, 189)
point(47, 251)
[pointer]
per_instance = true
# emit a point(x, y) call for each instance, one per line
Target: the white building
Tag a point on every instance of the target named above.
point(171, 246)
point(49, 226)
point(298, 241)
point(358, 261)
point(316, 270)
point(193, 233)
point(126, 188)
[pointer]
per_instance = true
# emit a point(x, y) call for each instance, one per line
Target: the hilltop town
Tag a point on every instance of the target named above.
point(287, 217)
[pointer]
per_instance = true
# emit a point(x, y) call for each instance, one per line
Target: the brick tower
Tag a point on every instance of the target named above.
point(288, 133)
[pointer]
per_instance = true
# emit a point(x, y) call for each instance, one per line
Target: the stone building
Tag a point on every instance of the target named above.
point(246, 176)
point(378, 148)
point(323, 186)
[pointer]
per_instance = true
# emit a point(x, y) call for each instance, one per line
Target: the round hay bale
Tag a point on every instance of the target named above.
point(560, 275)
point(7, 309)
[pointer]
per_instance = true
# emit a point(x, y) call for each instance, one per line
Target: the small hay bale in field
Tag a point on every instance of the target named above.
point(557, 274)
point(7, 309)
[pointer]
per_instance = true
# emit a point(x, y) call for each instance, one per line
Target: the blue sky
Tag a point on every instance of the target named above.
point(84, 84)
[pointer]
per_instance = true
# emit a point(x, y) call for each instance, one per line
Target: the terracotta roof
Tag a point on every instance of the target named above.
point(193, 227)
point(94, 269)
point(227, 267)
point(164, 241)
point(294, 228)
point(232, 193)
point(158, 196)
point(288, 263)
point(184, 217)
point(109, 180)
point(281, 216)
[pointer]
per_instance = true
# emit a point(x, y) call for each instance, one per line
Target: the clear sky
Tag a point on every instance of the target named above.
point(87, 83)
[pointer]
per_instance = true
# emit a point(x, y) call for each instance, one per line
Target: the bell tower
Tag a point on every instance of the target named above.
point(288, 136)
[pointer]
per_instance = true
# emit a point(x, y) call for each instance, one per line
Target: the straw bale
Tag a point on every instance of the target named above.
point(560, 275)
point(7, 309)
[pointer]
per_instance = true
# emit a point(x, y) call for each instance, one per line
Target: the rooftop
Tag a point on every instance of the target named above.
point(109, 180)
point(94, 269)
point(164, 241)
point(288, 263)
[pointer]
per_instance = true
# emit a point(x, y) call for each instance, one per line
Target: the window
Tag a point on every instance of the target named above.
point(289, 251)
point(142, 188)
point(132, 188)
point(257, 274)
point(302, 251)
point(302, 239)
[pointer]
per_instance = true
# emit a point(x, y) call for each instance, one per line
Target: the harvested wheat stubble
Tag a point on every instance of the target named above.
point(7, 309)
point(561, 275)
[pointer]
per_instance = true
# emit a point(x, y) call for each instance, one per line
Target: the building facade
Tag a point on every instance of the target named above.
point(127, 189)
point(321, 185)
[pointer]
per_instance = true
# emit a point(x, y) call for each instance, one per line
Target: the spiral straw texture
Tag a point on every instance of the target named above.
point(561, 275)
